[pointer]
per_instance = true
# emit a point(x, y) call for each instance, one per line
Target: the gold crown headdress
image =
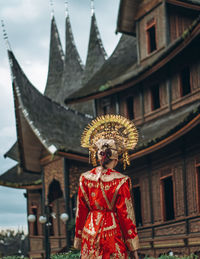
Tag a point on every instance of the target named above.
point(116, 127)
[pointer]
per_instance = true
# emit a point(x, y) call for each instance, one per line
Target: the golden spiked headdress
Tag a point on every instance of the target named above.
point(115, 127)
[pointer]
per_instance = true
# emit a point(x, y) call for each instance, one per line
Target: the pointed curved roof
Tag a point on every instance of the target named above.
point(56, 63)
point(73, 67)
point(55, 127)
point(96, 54)
point(12, 178)
point(124, 56)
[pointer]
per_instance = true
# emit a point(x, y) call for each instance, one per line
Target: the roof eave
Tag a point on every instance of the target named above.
point(188, 5)
point(180, 45)
point(146, 151)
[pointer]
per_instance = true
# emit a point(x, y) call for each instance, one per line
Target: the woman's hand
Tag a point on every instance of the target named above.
point(134, 255)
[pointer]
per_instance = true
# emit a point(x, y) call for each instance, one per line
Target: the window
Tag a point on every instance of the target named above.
point(137, 203)
point(130, 107)
point(151, 36)
point(35, 224)
point(155, 97)
point(168, 198)
point(185, 81)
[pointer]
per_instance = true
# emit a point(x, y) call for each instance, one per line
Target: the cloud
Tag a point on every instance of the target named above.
point(25, 10)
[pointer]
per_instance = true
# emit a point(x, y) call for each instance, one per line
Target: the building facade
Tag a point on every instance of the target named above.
point(153, 78)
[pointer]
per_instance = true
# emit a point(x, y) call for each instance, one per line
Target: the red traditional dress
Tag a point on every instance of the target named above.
point(105, 221)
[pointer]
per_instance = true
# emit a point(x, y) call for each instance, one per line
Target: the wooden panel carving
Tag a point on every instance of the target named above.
point(163, 94)
point(147, 101)
point(194, 226)
point(137, 105)
point(75, 171)
point(191, 186)
point(156, 196)
point(175, 87)
point(146, 233)
point(145, 200)
point(179, 191)
point(36, 244)
point(174, 229)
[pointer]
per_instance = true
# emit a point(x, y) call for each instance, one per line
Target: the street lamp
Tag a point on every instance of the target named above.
point(45, 220)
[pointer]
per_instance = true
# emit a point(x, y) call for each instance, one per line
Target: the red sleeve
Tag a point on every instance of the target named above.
point(126, 215)
point(82, 210)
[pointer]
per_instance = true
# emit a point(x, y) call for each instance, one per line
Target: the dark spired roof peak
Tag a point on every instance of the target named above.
point(56, 63)
point(96, 53)
point(124, 56)
point(73, 67)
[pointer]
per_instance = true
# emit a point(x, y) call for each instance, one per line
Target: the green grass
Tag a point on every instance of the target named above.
point(74, 254)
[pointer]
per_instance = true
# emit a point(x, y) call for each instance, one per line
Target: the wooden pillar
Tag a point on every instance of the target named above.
point(67, 199)
point(142, 102)
point(167, 25)
point(183, 154)
point(27, 209)
point(169, 92)
point(58, 219)
point(149, 166)
point(45, 211)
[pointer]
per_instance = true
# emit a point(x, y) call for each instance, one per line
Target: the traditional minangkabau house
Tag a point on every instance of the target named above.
point(50, 159)
point(152, 77)
point(159, 89)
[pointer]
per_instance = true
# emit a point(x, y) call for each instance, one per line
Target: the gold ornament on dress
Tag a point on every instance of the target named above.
point(116, 127)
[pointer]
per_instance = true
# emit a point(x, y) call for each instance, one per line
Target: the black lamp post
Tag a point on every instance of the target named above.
point(46, 220)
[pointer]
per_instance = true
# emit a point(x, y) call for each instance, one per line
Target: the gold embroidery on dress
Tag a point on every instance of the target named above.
point(93, 194)
point(99, 216)
point(98, 206)
point(104, 177)
point(130, 211)
point(77, 208)
point(116, 191)
point(84, 251)
point(84, 193)
point(91, 229)
point(130, 232)
point(113, 226)
point(105, 197)
point(133, 243)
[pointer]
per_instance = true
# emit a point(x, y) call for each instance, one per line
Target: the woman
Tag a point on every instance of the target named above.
point(105, 220)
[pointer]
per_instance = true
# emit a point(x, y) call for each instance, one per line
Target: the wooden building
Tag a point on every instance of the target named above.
point(152, 77)
point(50, 159)
point(160, 91)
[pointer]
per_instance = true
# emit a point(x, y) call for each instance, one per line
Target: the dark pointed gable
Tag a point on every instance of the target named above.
point(73, 68)
point(96, 53)
point(56, 63)
point(124, 56)
point(56, 128)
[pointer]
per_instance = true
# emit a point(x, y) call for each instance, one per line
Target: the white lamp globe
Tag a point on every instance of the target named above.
point(42, 219)
point(31, 218)
point(64, 217)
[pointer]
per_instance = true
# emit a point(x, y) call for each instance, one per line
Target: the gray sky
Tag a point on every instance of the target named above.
point(28, 26)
